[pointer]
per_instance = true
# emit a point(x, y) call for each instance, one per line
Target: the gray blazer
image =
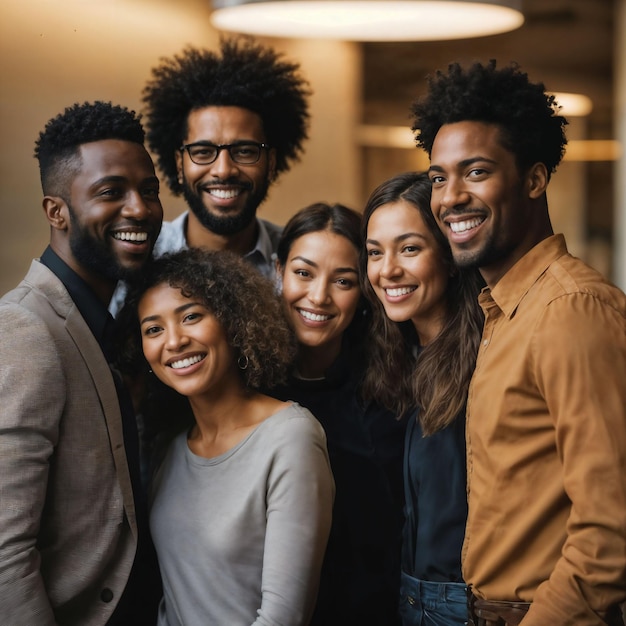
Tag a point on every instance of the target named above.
point(68, 531)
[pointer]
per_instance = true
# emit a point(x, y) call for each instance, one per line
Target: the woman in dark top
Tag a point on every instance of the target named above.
point(424, 337)
point(318, 259)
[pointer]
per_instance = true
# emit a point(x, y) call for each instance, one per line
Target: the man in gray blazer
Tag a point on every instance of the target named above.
point(74, 541)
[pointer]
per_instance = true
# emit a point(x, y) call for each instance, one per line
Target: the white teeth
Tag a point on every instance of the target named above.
point(123, 236)
point(313, 316)
point(401, 291)
point(224, 194)
point(186, 362)
point(460, 227)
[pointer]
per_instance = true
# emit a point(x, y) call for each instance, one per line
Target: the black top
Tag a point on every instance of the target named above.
point(139, 602)
point(360, 575)
point(436, 502)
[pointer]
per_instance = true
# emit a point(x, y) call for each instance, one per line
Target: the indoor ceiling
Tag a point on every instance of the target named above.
point(567, 44)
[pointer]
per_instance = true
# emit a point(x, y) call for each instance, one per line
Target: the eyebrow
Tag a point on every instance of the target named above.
point(122, 179)
point(464, 163)
point(337, 270)
point(399, 238)
point(180, 309)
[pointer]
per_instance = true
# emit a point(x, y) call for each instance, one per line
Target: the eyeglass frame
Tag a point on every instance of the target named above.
point(224, 146)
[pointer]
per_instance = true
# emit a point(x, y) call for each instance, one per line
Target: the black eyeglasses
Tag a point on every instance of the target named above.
point(205, 153)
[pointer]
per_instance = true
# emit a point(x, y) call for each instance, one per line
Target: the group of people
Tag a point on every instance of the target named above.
point(413, 414)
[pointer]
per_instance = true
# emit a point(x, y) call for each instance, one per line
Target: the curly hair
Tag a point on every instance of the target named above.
point(438, 380)
point(246, 75)
point(527, 116)
point(241, 299)
point(56, 149)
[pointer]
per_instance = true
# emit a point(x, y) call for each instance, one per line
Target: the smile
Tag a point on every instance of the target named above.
point(186, 362)
point(126, 236)
point(313, 317)
point(399, 291)
point(223, 194)
point(461, 227)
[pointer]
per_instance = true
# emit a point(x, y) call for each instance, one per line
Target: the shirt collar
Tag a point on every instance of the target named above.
point(263, 243)
point(88, 304)
point(517, 282)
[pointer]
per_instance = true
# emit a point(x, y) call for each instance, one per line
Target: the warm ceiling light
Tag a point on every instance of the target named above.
point(368, 20)
point(573, 104)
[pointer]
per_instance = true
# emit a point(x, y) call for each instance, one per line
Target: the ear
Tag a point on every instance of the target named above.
point(271, 172)
point(537, 180)
point(56, 211)
point(178, 157)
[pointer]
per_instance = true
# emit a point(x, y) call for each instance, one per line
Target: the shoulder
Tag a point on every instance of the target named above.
point(172, 235)
point(274, 231)
point(295, 425)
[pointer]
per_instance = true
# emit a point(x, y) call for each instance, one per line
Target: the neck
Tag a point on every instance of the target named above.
point(314, 361)
point(197, 236)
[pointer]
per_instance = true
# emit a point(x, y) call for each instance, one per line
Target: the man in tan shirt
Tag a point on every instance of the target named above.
point(545, 540)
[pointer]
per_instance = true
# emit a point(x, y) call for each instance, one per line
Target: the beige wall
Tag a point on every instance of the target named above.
point(55, 53)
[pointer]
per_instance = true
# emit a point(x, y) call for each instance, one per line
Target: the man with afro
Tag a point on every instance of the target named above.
point(545, 541)
point(74, 537)
point(223, 125)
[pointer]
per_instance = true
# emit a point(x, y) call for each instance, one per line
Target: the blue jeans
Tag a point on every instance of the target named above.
point(424, 603)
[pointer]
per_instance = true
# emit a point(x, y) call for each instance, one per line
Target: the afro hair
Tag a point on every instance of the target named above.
point(531, 127)
point(244, 74)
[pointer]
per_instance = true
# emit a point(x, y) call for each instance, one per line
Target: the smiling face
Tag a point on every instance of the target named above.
point(406, 268)
point(480, 200)
point(113, 215)
point(184, 344)
point(224, 195)
point(321, 288)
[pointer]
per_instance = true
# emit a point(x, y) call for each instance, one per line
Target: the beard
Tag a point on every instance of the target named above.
point(225, 224)
point(95, 255)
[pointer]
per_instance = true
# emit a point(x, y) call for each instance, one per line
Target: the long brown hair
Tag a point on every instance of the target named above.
point(437, 379)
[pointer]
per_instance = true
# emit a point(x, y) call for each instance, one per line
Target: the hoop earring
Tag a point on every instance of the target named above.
point(242, 362)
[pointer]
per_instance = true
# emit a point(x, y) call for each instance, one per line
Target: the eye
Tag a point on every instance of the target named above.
point(345, 283)
point(437, 179)
point(302, 273)
point(410, 249)
point(110, 193)
point(192, 317)
point(373, 252)
point(151, 193)
point(476, 172)
point(152, 330)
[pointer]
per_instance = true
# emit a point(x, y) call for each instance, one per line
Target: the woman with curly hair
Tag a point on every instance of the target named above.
point(423, 341)
point(318, 258)
point(241, 502)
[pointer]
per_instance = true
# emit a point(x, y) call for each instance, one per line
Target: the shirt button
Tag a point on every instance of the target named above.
point(106, 595)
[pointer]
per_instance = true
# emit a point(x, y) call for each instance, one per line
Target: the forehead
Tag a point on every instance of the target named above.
point(467, 140)
point(113, 157)
point(224, 124)
point(324, 246)
point(397, 218)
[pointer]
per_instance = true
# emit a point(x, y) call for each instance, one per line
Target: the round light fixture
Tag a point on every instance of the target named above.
point(368, 20)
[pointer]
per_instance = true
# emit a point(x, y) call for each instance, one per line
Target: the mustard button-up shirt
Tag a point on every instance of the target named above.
point(546, 436)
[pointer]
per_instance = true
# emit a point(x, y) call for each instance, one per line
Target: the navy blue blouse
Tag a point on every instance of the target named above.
point(435, 501)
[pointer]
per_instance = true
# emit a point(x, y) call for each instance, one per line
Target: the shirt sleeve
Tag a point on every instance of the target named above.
point(299, 512)
point(579, 355)
point(32, 392)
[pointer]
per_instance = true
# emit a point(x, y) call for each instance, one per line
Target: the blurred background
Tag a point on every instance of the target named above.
point(57, 52)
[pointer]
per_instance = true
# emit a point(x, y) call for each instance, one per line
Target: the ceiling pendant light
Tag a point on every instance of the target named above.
point(368, 20)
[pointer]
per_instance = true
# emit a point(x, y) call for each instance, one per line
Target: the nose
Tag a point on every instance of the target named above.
point(224, 167)
point(136, 207)
point(389, 266)
point(175, 338)
point(318, 293)
point(452, 195)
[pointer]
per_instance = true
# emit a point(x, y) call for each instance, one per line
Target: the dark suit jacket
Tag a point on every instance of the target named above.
point(68, 531)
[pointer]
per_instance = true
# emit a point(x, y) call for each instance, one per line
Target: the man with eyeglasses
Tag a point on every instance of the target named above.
point(223, 127)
